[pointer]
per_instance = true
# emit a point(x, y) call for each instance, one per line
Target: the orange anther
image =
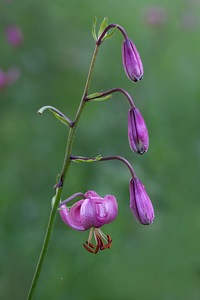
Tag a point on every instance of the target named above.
point(90, 245)
point(97, 249)
point(89, 249)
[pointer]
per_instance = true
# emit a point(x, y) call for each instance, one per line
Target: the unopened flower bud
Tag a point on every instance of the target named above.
point(131, 61)
point(137, 132)
point(140, 204)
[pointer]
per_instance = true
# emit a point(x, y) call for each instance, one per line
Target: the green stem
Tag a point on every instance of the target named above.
point(59, 188)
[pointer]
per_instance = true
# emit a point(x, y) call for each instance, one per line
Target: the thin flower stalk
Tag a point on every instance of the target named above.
point(111, 91)
point(59, 187)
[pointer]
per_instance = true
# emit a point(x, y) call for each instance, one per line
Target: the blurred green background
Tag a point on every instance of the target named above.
point(161, 261)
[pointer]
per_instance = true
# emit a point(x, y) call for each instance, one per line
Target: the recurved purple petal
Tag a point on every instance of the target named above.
point(71, 216)
point(91, 193)
point(93, 212)
point(111, 208)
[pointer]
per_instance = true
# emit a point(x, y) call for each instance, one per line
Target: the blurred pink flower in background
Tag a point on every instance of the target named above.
point(12, 75)
point(14, 35)
point(189, 21)
point(9, 77)
point(156, 16)
point(2, 79)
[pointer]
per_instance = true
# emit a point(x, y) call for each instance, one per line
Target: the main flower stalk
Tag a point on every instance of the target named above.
point(60, 184)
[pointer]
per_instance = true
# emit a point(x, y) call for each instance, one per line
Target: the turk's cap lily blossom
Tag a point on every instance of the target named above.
point(131, 61)
point(140, 203)
point(92, 212)
point(137, 132)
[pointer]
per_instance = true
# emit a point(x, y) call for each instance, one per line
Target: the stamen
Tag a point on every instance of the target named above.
point(102, 234)
point(88, 248)
point(108, 245)
point(90, 245)
point(97, 249)
point(100, 242)
point(99, 238)
point(90, 235)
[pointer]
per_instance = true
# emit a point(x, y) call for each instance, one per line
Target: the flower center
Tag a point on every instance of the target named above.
point(102, 241)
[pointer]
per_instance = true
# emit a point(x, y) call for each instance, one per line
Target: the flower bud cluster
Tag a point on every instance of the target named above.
point(93, 211)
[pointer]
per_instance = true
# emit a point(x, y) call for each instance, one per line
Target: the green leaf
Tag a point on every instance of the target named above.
point(60, 118)
point(102, 27)
point(58, 114)
point(109, 35)
point(98, 97)
point(104, 98)
point(94, 95)
point(94, 29)
point(81, 159)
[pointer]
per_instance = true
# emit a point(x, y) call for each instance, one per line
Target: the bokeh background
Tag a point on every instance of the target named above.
point(46, 63)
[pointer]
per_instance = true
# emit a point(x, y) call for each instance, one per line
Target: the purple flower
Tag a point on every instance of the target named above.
point(131, 61)
point(140, 204)
point(137, 132)
point(14, 36)
point(92, 212)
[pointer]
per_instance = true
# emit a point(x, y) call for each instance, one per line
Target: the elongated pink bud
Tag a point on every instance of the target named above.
point(131, 61)
point(137, 132)
point(140, 204)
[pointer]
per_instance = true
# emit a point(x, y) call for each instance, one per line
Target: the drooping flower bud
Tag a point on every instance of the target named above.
point(137, 132)
point(92, 212)
point(140, 204)
point(131, 61)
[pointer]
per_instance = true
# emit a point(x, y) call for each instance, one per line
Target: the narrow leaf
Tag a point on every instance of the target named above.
point(58, 114)
point(104, 98)
point(81, 159)
point(94, 29)
point(103, 25)
point(109, 35)
point(98, 97)
point(60, 118)
point(92, 96)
